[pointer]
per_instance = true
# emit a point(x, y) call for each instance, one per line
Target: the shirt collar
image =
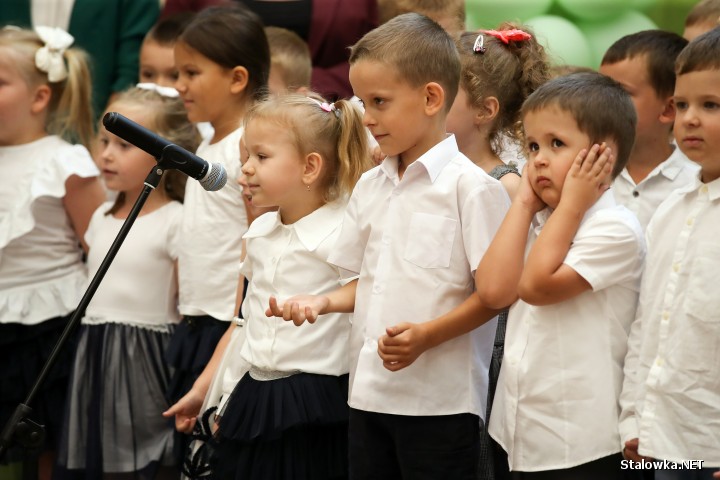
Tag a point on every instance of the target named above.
point(606, 200)
point(434, 160)
point(311, 230)
point(712, 188)
point(674, 164)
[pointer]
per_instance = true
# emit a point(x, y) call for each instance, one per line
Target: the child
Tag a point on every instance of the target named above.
point(223, 62)
point(496, 78)
point(414, 229)
point(287, 417)
point(500, 68)
point(48, 192)
point(704, 16)
point(643, 63)
point(113, 423)
point(157, 62)
point(449, 14)
point(290, 62)
point(671, 396)
point(576, 274)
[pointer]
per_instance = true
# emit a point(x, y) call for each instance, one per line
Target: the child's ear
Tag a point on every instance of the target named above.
point(41, 99)
point(667, 116)
point(240, 79)
point(313, 168)
point(434, 98)
point(488, 110)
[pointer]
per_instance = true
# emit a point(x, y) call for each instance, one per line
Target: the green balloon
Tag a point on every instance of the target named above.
point(490, 13)
point(601, 35)
point(564, 42)
point(642, 4)
point(593, 10)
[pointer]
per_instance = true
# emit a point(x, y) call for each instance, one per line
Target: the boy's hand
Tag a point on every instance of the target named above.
point(631, 451)
point(588, 176)
point(299, 308)
point(402, 345)
point(526, 196)
point(186, 411)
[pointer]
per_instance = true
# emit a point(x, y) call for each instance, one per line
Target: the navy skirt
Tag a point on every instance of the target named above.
point(293, 428)
point(24, 349)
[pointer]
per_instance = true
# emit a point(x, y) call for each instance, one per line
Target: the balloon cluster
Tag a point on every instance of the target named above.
point(575, 32)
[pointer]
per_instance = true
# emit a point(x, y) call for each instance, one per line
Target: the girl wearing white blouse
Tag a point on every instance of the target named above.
point(113, 425)
point(286, 417)
point(48, 191)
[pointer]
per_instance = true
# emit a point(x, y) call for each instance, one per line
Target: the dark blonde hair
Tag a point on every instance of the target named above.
point(454, 9)
point(169, 120)
point(70, 108)
point(706, 12)
point(337, 135)
point(703, 53)
point(290, 55)
point(509, 73)
point(417, 48)
point(600, 106)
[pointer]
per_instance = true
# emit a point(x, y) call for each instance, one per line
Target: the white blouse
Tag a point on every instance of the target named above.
point(286, 260)
point(140, 287)
point(211, 236)
point(41, 271)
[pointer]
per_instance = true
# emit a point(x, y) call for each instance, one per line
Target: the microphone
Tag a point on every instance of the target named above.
point(212, 176)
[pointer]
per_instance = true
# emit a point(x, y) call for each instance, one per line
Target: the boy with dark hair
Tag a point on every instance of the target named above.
point(569, 260)
point(644, 64)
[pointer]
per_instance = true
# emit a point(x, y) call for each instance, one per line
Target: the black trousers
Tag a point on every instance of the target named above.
point(606, 468)
point(393, 447)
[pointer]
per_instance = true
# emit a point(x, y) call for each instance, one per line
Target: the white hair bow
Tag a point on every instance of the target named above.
point(162, 91)
point(49, 58)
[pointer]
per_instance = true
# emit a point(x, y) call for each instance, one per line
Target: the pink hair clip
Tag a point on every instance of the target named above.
point(327, 107)
point(506, 36)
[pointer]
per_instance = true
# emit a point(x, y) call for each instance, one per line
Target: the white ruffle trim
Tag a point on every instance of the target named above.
point(48, 180)
point(34, 304)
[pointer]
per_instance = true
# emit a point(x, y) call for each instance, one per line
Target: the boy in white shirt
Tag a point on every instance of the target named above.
point(644, 64)
point(671, 395)
point(415, 229)
point(572, 281)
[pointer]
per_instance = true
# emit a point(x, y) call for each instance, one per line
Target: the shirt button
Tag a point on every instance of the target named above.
point(636, 193)
point(665, 316)
point(703, 189)
point(659, 362)
point(689, 221)
point(676, 267)
point(377, 289)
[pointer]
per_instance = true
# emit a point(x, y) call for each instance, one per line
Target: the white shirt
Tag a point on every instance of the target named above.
point(287, 260)
point(671, 396)
point(41, 270)
point(415, 242)
point(140, 287)
point(644, 198)
point(556, 403)
point(211, 236)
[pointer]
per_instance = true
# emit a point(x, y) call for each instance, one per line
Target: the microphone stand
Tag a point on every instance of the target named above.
point(19, 428)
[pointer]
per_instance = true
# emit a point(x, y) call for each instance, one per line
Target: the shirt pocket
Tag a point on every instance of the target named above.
point(430, 240)
point(702, 301)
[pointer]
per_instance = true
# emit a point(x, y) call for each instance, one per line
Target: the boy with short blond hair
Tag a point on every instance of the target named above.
point(644, 64)
point(290, 61)
point(569, 260)
point(416, 227)
point(671, 396)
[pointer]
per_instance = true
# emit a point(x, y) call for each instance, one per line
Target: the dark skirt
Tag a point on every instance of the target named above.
point(113, 420)
point(24, 349)
point(190, 349)
point(293, 428)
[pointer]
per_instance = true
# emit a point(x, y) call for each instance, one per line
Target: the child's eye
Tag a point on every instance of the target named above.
point(533, 147)
point(557, 143)
point(103, 141)
point(679, 105)
point(710, 105)
point(147, 75)
point(378, 101)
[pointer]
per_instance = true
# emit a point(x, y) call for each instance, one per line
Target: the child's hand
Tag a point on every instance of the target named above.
point(186, 411)
point(526, 196)
point(588, 177)
point(402, 345)
point(377, 155)
point(631, 451)
point(299, 308)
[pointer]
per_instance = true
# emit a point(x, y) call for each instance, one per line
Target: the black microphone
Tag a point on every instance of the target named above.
point(212, 176)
